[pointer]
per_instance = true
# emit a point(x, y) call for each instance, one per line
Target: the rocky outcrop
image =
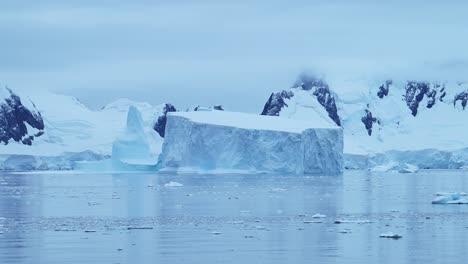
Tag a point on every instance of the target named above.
point(14, 118)
point(204, 108)
point(276, 102)
point(160, 125)
point(368, 120)
point(417, 91)
point(384, 89)
point(323, 93)
point(462, 97)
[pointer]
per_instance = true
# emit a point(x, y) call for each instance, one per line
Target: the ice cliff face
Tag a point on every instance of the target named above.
point(227, 141)
point(18, 122)
point(381, 115)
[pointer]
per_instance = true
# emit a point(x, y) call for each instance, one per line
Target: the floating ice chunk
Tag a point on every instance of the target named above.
point(408, 168)
point(139, 228)
point(451, 193)
point(384, 167)
point(277, 190)
point(390, 235)
point(353, 222)
point(396, 167)
point(450, 199)
point(345, 231)
point(173, 184)
point(319, 216)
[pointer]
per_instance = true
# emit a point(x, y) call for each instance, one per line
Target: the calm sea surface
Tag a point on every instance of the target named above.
point(145, 218)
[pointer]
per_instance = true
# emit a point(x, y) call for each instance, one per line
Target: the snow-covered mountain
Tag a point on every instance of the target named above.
point(383, 115)
point(70, 132)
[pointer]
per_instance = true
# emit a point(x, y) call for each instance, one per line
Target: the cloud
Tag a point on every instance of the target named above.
point(235, 53)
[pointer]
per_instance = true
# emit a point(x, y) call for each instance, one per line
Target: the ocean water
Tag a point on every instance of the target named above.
point(149, 218)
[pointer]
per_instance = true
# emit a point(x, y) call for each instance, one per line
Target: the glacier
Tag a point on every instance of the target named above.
point(229, 141)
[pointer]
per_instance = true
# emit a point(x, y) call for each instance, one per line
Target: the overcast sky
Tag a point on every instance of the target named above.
point(219, 52)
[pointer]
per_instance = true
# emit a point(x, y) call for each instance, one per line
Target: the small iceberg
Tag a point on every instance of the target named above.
point(454, 198)
point(451, 193)
point(173, 184)
point(396, 167)
point(408, 168)
point(319, 216)
point(131, 150)
point(390, 235)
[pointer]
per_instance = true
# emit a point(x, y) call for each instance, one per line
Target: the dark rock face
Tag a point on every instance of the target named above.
point(218, 107)
point(416, 91)
point(322, 91)
point(160, 125)
point(204, 108)
point(368, 120)
point(276, 102)
point(384, 89)
point(462, 97)
point(327, 100)
point(13, 119)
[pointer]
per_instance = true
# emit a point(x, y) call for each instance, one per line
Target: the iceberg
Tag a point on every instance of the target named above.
point(229, 141)
point(132, 148)
point(450, 198)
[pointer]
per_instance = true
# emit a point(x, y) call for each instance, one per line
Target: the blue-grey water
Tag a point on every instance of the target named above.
point(137, 218)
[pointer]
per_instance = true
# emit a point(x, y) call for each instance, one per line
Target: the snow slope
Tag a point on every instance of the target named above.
point(72, 127)
point(220, 141)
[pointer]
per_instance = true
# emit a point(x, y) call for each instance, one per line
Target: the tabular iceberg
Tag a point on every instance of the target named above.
point(229, 141)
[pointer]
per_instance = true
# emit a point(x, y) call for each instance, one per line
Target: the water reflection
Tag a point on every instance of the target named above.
point(136, 218)
point(17, 202)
